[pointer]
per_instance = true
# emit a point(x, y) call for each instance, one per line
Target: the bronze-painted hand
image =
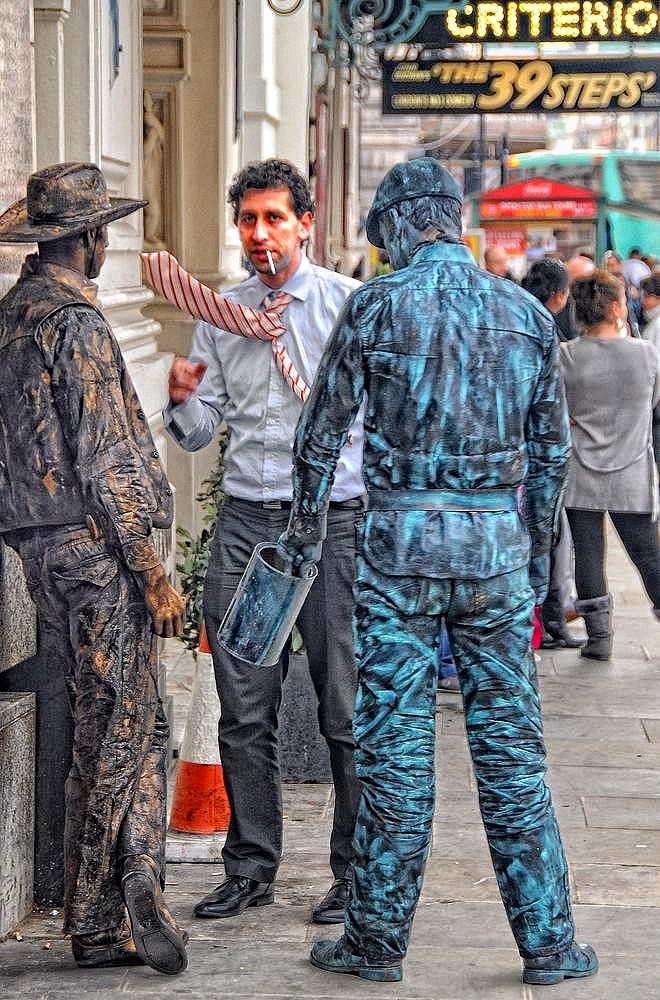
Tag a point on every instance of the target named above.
point(165, 604)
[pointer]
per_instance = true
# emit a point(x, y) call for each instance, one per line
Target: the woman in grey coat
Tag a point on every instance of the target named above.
point(612, 388)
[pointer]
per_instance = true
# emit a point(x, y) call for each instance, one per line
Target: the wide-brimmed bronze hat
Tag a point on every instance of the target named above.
point(63, 200)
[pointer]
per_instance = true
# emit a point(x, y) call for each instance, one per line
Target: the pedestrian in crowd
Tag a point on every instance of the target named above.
point(226, 377)
point(81, 487)
point(613, 264)
point(578, 266)
point(613, 392)
point(458, 425)
point(634, 268)
point(547, 280)
point(496, 261)
point(650, 298)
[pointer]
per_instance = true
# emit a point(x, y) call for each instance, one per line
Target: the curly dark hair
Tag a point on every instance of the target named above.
point(593, 295)
point(267, 174)
point(651, 284)
point(545, 278)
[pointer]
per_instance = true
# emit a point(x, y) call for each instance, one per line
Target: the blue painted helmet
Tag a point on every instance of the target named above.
point(414, 179)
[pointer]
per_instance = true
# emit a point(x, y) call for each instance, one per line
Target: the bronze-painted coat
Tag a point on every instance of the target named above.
point(73, 437)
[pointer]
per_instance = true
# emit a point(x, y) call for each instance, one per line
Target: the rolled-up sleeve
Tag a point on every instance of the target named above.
point(195, 423)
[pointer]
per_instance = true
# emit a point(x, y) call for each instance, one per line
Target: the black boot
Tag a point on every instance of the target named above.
point(597, 614)
point(553, 622)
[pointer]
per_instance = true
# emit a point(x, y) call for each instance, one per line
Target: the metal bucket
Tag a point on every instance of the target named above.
point(264, 608)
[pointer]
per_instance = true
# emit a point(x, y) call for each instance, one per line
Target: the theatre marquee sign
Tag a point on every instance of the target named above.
point(542, 21)
point(433, 86)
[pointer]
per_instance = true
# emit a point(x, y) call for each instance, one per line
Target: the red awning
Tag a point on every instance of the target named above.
point(538, 198)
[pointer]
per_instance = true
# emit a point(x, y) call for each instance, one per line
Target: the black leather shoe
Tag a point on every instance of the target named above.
point(233, 896)
point(332, 907)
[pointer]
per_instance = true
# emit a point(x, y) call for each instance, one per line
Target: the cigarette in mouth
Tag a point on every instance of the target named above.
point(270, 262)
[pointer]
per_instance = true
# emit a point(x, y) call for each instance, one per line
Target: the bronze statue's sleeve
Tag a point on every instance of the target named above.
point(85, 367)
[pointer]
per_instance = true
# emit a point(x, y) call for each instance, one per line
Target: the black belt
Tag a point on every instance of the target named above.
point(356, 503)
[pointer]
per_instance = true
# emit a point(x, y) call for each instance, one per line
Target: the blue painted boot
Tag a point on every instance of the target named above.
point(335, 956)
point(574, 962)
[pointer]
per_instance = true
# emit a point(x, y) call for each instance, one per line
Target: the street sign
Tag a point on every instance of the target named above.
point(435, 86)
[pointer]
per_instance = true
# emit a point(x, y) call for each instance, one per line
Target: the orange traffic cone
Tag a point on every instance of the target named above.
point(200, 803)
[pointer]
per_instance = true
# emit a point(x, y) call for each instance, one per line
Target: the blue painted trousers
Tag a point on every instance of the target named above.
point(489, 622)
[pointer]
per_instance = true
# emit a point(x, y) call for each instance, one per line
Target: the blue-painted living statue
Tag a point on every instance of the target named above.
point(466, 443)
point(81, 487)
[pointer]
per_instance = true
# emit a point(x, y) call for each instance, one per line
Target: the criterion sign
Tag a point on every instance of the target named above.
point(501, 85)
point(542, 21)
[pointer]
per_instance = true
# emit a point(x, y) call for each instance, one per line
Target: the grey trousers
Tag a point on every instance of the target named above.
point(250, 697)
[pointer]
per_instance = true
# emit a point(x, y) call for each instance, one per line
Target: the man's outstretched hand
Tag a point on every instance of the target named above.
point(184, 379)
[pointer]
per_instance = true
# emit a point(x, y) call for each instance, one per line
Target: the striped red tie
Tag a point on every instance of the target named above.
point(165, 275)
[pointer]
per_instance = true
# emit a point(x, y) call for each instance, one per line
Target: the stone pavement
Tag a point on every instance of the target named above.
point(602, 726)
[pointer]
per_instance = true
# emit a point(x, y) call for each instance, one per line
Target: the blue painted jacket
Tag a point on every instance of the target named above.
point(466, 429)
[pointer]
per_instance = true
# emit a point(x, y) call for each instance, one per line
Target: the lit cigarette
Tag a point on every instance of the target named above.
point(270, 262)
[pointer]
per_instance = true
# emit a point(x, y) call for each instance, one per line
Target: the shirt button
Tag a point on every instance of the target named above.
point(168, 493)
point(154, 454)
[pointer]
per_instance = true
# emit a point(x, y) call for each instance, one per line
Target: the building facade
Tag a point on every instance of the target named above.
point(169, 98)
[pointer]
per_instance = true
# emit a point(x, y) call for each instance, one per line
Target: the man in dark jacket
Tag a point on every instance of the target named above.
point(466, 442)
point(81, 487)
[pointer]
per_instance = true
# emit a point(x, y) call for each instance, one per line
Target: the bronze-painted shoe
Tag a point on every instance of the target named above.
point(574, 962)
point(336, 956)
point(158, 940)
point(105, 949)
point(233, 896)
point(332, 907)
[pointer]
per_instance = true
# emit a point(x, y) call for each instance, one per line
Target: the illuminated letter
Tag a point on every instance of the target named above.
point(565, 20)
point(638, 26)
point(490, 16)
point(535, 12)
point(512, 20)
point(456, 29)
point(595, 16)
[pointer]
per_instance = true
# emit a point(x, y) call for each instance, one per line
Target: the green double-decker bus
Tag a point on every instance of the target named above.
point(626, 186)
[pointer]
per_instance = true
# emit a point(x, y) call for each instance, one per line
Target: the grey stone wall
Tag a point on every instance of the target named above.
point(18, 638)
point(17, 619)
point(17, 733)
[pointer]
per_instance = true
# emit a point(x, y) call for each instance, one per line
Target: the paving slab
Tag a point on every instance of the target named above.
point(602, 725)
point(623, 811)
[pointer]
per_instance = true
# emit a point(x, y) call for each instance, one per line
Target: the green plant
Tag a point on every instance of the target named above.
point(193, 551)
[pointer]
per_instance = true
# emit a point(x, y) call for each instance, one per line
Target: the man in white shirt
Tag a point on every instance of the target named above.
point(236, 380)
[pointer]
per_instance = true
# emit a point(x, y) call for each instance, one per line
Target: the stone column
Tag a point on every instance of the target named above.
point(49, 18)
point(17, 618)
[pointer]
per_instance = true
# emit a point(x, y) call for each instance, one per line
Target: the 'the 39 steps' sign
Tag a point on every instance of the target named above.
point(432, 86)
